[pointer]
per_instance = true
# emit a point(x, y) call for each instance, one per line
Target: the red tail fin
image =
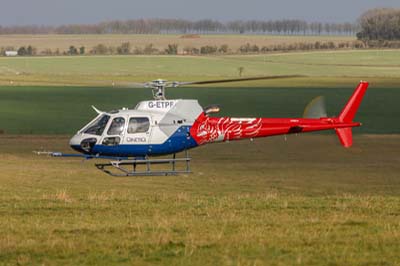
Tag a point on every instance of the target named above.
point(345, 136)
point(349, 111)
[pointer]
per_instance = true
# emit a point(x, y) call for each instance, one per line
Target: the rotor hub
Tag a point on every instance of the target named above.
point(158, 87)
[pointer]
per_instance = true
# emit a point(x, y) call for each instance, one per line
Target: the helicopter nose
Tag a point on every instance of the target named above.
point(75, 143)
point(83, 143)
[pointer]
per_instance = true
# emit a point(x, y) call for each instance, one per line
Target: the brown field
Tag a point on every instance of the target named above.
point(63, 42)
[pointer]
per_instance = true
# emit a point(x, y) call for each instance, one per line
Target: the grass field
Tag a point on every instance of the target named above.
point(304, 201)
point(327, 68)
point(63, 42)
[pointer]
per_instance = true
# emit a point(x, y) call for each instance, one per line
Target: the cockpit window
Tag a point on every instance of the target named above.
point(138, 125)
point(97, 127)
point(117, 126)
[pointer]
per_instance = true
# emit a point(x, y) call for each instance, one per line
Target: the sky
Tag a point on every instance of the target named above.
point(58, 12)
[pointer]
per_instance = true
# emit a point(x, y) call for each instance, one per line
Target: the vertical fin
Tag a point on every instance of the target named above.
point(348, 113)
point(351, 107)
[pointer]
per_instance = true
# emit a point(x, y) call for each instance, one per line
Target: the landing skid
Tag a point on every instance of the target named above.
point(129, 167)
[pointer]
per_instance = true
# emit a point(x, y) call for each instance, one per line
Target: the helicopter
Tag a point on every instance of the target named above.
point(133, 138)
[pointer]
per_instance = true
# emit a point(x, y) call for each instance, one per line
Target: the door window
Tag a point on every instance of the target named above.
point(138, 125)
point(117, 126)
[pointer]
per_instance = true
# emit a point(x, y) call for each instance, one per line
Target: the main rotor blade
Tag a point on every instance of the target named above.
point(128, 84)
point(239, 79)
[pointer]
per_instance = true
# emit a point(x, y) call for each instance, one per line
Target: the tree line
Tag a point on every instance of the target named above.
point(173, 49)
point(380, 24)
point(181, 26)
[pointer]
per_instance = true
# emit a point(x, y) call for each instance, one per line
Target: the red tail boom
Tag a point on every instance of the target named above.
point(212, 129)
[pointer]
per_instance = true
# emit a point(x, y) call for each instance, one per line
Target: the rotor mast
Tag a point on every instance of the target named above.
point(158, 87)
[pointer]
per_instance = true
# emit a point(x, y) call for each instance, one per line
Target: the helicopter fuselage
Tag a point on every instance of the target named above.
point(162, 127)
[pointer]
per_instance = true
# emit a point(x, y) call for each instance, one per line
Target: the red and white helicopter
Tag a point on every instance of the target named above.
point(131, 137)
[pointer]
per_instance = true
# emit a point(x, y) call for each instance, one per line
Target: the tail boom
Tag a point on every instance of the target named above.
point(213, 129)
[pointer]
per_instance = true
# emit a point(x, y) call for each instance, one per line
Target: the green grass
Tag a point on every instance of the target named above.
point(304, 201)
point(362, 58)
point(333, 67)
point(64, 110)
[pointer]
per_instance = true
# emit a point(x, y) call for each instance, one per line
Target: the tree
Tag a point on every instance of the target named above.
point(99, 49)
point(380, 24)
point(172, 49)
point(124, 48)
point(248, 48)
point(245, 48)
point(191, 50)
point(208, 49)
point(157, 26)
point(29, 50)
point(149, 49)
point(223, 49)
point(22, 51)
point(72, 50)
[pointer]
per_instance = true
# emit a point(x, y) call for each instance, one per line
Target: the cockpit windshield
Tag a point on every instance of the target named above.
point(97, 126)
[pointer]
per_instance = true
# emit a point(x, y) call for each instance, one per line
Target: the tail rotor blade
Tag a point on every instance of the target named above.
point(316, 108)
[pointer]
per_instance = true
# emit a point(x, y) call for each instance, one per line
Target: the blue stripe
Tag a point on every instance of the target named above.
point(179, 141)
